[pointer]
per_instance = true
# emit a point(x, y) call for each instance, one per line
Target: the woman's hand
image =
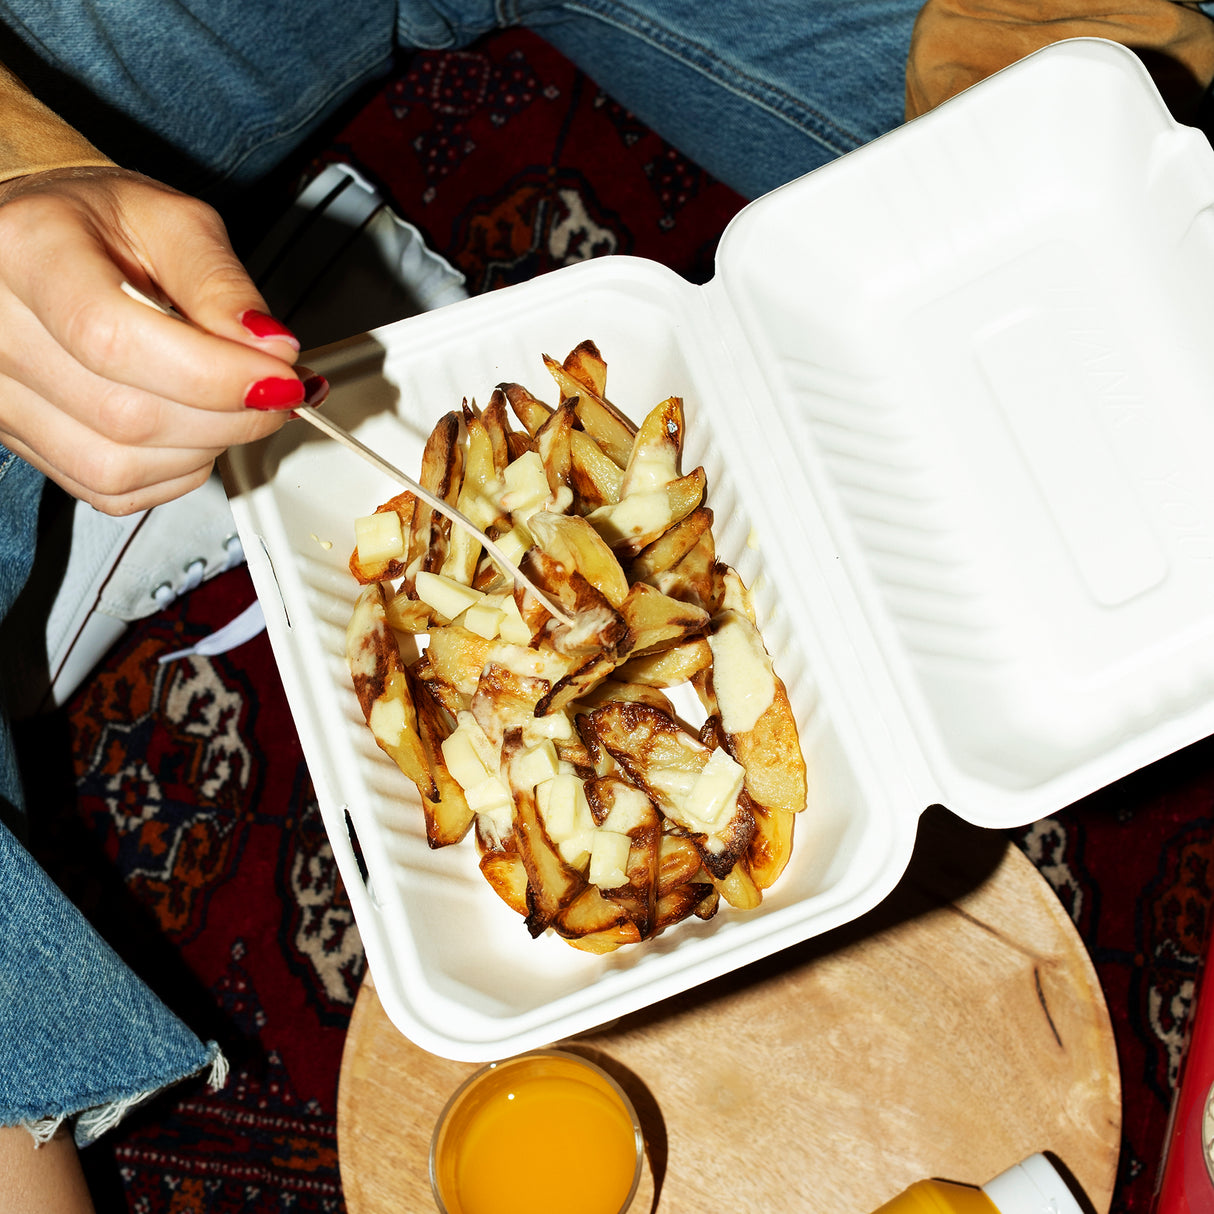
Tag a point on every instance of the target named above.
point(121, 405)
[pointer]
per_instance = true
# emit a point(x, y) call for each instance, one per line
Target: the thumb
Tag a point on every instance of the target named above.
point(190, 258)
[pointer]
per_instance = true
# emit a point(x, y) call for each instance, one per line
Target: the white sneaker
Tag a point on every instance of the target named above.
point(338, 263)
point(94, 575)
point(341, 261)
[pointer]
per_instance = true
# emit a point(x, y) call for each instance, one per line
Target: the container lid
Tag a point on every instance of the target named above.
point(1032, 1187)
point(984, 339)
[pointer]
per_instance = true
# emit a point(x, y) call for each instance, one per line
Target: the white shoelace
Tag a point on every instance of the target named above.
point(248, 624)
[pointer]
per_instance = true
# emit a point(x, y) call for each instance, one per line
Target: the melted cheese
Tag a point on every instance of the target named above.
point(651, 468)
point(630, 810)
point(531, 663)
point(632, 516)
point(742, 676)
point(387, 721)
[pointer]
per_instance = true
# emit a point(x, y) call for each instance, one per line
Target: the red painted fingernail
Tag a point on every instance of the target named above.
point(316, 390)
point(268, 394)
point(261, 325)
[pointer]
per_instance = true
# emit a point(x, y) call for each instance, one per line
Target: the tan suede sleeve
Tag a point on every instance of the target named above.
point(956, 43)
point(33, 138)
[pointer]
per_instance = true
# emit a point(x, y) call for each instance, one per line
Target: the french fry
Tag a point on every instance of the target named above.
point(382, 687)
point(591, 914)
point(496, 417)
point(506, 873)
point(532, 412)
point(586, 365)
point(602, 421)
point(448, 815)
point(771, 847)
point(441, 473)
point(596, 479)
point(764, 742)
point(637, 520)
point(554, 442)
point(738, 888)
point(678, 863)
point(671, 546)
point(671, 667)
point(662, 758)
point(614, 688)
point(552, 884)
point(579, 547)
point(598, 814)
point(657, 449)
point(656, 622)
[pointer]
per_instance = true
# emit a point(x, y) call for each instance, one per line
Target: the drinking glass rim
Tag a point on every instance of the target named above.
point(500, 1065)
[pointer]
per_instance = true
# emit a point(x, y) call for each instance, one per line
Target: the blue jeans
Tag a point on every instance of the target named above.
point(212, 92)
point(81, 1037)
point(757, 94)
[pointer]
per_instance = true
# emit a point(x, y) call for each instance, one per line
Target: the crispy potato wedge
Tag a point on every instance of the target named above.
point(505, 700)
point(591, 914)
point(571, 540)
point(507, 875)
point(618, 806)
point(682, 901)
point(551, 883)
point(771, 847)
point(475, 499)
point(614, 688)
point(596, 479)
point(738, 889)
point(457, 656)
point(441, 473)
point(671, 546)
point(662, 758)
point(598, 628)
point(554, 442)
point(496, 418)
point(600, 419)
point(606, 941)
point(668, 667)
point(598, 815)
point(447, 814)
point(408, 615)
point(694, 578)
point(756, 716)
point(637, 520)
point(588, 367)
point(657, 622)
point(533, 413)
point(771, 754)
point(657, 448)
point(382, 687)
point(577, 683)
point(678, 863)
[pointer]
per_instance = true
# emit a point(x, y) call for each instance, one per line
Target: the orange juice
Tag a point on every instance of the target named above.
point(548, 1133)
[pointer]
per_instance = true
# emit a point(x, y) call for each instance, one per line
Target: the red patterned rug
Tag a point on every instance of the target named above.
point(173, 803)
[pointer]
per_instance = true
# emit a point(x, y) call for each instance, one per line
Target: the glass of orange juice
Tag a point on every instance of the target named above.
point(543, 1133)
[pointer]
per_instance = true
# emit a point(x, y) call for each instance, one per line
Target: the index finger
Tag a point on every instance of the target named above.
point(77, 295)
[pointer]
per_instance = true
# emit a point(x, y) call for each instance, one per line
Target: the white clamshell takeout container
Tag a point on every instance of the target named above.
point(954, 394)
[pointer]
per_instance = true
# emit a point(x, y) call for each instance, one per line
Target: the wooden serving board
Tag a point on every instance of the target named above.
point(951, 1032)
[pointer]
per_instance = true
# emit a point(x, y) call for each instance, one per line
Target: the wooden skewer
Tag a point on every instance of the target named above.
point(327, 426)
point(330, 428)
